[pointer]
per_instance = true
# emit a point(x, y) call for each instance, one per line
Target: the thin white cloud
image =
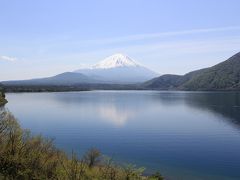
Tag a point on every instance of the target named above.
point(7, 58)
point(139, 37)
point(167, 48)
point(131, 39)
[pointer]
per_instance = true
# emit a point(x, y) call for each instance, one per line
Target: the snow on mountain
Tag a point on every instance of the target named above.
point(119, 68)
point(116, 60)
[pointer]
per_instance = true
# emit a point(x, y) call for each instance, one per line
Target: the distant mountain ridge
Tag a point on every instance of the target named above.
point(67, 78)
point(223, 76)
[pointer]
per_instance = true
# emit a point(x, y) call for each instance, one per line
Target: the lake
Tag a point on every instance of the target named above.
point(184, 135)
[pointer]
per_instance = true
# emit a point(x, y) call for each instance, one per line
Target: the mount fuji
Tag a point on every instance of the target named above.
point(118, 68)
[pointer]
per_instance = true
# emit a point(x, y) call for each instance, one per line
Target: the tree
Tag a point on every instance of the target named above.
point(2, 94)
point(92, 157)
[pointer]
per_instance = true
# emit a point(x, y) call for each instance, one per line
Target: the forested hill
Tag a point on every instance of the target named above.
point(223, 76)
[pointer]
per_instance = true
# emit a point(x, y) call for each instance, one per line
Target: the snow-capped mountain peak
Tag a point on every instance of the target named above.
point(116, 60)
point(118, 68)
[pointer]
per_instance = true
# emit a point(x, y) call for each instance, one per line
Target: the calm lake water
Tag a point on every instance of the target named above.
point(184, 135)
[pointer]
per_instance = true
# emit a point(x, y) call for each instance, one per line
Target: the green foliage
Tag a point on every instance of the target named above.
point(156, 176)
point(2, 101)
point(2, 96)
point(131, 172)
point(24, 156)
point(223, 76)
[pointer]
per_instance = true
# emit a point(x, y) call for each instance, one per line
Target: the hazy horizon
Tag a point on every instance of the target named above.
point(41, 39)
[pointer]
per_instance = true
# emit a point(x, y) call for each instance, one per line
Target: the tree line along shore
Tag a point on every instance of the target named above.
point(2, 97)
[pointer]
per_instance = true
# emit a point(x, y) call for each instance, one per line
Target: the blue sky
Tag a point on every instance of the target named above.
point(47, 37)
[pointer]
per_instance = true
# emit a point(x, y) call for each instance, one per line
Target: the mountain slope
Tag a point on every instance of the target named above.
point(119, 68)
point(171, 81)
point(167, 81)
point(67, 78)
point(223, 76)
